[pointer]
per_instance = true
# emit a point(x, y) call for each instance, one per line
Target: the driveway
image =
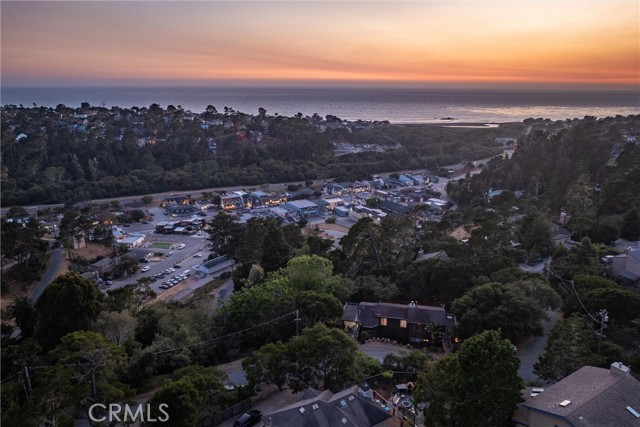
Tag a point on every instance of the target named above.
point(532, 348)
point(378, 350)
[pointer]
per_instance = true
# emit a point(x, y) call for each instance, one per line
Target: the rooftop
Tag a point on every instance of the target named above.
point(325, 409)
point(368, 313)
point(592, 397)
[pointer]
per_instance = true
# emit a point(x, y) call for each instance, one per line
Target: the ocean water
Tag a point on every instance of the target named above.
point(398, 105)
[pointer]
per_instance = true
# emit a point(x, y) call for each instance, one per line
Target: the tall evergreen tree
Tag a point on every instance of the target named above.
point(487, 384)
point(631, 225)
point(71, 303)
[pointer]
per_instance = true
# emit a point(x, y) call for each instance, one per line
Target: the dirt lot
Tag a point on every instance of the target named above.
point(19, 288)
point(461, 233)
point(91, 252)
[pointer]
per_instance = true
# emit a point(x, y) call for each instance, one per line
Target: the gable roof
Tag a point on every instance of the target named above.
point(346, 408)
point(368, 313)
point(597, 398)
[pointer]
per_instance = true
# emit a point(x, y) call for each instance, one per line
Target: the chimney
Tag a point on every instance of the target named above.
point(618, 368)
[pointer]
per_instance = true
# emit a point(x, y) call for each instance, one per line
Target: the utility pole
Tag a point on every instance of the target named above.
point(297, 319)
point(605, 318)
point(27, 383)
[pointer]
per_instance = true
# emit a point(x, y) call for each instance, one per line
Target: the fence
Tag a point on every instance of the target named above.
point(234, 411)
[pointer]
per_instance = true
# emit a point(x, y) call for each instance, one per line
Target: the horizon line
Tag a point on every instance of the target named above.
point(318, 84)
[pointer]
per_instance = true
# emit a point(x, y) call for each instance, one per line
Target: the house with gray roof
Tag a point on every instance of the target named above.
point(348, 408)
point(590, 397)
point(409, 324)
point(626, 268)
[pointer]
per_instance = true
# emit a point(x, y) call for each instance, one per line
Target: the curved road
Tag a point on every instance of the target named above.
point(49, 275)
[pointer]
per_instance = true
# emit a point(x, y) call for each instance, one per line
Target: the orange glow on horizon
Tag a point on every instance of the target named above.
point(584, 42)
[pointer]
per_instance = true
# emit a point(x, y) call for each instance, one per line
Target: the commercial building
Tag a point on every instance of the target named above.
point(304, 208)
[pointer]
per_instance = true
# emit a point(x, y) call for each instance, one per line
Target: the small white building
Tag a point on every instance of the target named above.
point(132, 240)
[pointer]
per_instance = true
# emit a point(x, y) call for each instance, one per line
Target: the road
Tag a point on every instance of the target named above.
point(532, 348)
point(272, 187)
point(49, 275)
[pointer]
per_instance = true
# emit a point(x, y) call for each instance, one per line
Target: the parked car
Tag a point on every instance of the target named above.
point(177, 266)
point(108, 283)
point(169, 253)
point(249, 418)
point(145, 268)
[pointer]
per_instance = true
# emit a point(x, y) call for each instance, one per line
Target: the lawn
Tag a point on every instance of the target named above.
point(161, 245)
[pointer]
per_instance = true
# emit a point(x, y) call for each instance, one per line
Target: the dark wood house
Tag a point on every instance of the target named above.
point(412, 324)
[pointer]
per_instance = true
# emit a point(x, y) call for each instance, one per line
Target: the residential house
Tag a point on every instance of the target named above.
point(213, 146)
point(626, 268)
point(348, 408)
point(560, 235)
point(590, 397)
point(409, 324)
point(506, 141)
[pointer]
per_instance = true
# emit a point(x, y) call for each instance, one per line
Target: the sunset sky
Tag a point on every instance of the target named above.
point(492, 43)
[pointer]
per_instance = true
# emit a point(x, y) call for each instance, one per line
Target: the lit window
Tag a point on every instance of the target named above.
point(403, 323)
point(383, 321)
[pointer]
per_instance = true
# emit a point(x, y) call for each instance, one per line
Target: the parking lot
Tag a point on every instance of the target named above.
point(173, 254)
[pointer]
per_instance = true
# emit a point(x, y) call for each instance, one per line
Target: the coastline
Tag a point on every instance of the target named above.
point(395, 105)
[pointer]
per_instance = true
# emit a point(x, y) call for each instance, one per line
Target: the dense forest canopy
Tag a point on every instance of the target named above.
point(588, 171)
point(57, 155)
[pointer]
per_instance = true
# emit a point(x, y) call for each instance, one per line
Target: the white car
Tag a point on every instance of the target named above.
point(198, 255)
point(145, 268)
point(182, 246)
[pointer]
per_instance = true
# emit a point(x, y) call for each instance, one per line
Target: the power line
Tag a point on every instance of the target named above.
point(575, 291)
point(169, 350)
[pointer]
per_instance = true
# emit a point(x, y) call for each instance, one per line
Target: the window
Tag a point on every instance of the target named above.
point(417, 327)
point(383, 321)
point(403, 323)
